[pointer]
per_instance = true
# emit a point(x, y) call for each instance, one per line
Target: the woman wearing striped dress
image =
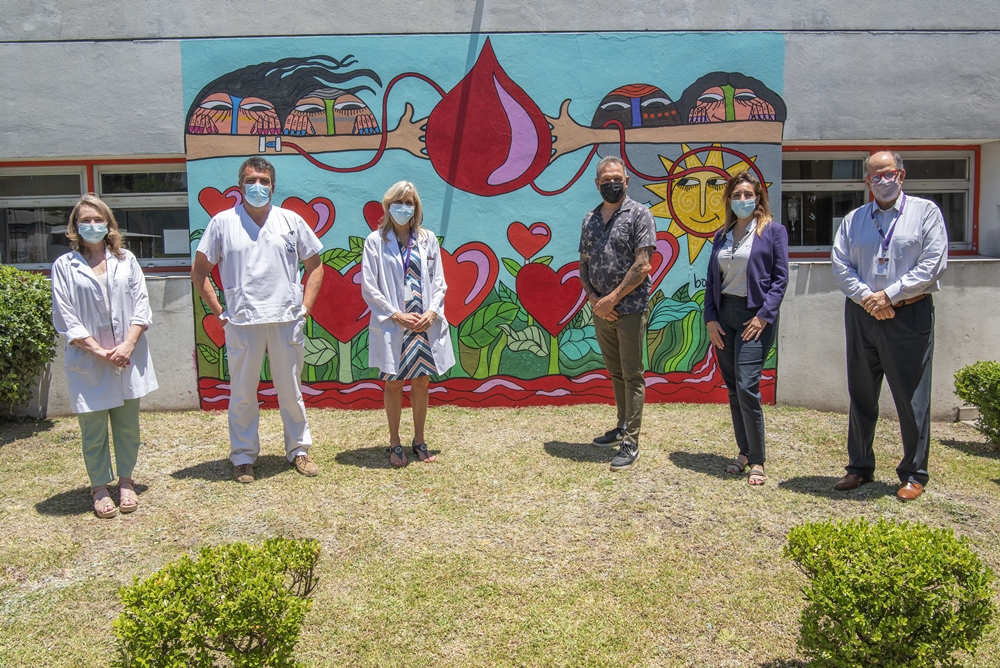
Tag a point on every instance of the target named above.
point(408, 340)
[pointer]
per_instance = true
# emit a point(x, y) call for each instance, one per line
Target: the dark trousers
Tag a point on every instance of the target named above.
point(741, 363)
point(621, 344)
point(901, 350)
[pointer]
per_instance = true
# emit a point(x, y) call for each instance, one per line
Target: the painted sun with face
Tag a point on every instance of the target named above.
point(692, 199)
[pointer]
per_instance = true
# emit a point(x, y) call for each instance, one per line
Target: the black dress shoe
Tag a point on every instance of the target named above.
point(851, 481)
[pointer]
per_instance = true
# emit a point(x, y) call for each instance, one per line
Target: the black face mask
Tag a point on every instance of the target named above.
point(612, 191)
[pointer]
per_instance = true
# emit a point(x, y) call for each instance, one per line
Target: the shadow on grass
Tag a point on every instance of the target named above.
point(15, 428)
point(703, 462)
point(580, 452)
point(266, 466)
point(822, 485)
point(977, 448)
point(77, 501)
point(376, 457)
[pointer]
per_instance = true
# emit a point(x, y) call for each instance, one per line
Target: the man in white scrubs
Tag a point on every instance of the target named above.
point(258, 248)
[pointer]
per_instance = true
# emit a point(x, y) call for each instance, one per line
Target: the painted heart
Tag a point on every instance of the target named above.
point(318, 213)
point(214, 330)
point(340, 308)
point(527, 241)
point(664, 256)
point(373, 214)
point(471, 272)
point(214, 202)
point(217, 277)
point(551, 298)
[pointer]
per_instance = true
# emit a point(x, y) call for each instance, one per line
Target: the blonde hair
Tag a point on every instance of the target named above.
point(113, 241)
point(763, 211)
point(397, 192)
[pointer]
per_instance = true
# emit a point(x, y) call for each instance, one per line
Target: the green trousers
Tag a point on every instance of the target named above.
point(96, 448)
point(621, 345)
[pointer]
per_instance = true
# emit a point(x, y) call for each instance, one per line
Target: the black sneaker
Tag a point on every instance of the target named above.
point(611, 439)
point(627, 455)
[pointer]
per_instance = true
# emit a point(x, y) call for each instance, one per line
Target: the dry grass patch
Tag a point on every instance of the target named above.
point(518, 547)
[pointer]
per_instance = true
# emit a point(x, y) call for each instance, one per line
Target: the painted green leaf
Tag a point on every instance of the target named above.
point(359, 350)
point(483, 326)
point(531, 339)
point(669, 310)
point(210, 354)
point(700, 298)
point(338, 258)
point(511, 266)
point(684, 344)
point(441, 242)
point(197, 234)
point(506, 294)
point(545, 259)
point(682, 294)
point(356, 243)
point(574, 344)
point(319, 351)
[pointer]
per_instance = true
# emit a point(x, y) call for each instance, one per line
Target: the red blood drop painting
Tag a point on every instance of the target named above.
point(487, 136)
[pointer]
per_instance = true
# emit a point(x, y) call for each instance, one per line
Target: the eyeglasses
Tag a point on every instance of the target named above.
point(885, 177)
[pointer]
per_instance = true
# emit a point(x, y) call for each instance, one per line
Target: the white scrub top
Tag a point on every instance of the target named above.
point(80, 309)
point(259, 265)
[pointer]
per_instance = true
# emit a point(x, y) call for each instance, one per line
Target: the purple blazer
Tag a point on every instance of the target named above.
point(767, 274)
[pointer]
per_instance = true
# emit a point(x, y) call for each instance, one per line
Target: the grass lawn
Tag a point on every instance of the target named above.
point(518, 547)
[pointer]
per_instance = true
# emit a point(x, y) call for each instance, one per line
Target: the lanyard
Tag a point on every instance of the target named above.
point(887, 237)
point(409, 250)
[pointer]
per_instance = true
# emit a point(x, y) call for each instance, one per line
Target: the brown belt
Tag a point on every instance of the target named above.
point(907, 302)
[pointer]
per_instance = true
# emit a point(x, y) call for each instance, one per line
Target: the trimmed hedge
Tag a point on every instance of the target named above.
point(27, 337)
point(979, 384)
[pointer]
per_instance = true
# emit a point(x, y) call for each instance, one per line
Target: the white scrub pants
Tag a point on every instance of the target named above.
point(284, 343)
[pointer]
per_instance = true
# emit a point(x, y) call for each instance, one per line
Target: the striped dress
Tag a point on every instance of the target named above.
point(416, 358)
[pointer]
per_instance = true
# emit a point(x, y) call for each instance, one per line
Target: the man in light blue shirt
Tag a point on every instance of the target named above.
point(887, 258)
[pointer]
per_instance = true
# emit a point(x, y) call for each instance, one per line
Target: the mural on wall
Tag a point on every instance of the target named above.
point(501, 135)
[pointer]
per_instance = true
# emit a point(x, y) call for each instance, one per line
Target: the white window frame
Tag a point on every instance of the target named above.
point(913, 186)
point(43, 201)
point(146, 201)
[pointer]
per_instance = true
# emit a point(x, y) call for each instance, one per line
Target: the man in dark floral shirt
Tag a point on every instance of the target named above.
point(616, 247)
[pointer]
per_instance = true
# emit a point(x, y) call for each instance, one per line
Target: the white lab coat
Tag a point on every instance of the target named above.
point(382, 289)
point(79, 310)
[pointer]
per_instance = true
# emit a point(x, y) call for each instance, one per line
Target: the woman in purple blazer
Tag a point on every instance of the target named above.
point(747, 276)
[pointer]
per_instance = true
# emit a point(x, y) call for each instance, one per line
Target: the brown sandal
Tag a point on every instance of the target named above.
point(757, 476)
point(104, 507)
point(128, 502)
point(739, 465)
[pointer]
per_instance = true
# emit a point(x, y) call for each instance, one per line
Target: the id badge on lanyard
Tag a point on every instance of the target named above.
point(882, 261)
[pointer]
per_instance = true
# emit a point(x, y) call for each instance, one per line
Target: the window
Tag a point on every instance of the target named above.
point(34, 206)
point(149, 202)
point(151, 210)
point(819, 188)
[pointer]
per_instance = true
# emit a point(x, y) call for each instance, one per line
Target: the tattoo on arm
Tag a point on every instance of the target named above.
point(585, 275)
point(637, 272)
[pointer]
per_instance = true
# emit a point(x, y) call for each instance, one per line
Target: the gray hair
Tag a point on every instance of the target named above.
point(896, 158)
point(256, 163)
point(610, 160)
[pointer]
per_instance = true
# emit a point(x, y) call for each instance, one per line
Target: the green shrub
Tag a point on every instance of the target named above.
point(889, 594)
point(979, 385)
point(27, 337)
point(235, 605)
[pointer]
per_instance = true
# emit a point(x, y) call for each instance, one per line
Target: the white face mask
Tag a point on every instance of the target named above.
point(257, 195)
point(401, 213)
point(886, 191)
point(92, 232)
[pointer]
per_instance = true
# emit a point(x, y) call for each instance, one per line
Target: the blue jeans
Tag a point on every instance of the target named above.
point(741, 363)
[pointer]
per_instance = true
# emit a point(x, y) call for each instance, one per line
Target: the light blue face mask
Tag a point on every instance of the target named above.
point(401, 213)
point(743, 208)
point(257, 195)
point(92, 233)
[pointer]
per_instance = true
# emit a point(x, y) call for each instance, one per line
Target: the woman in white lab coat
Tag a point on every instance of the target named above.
point(403, 284)
point(101, 307)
